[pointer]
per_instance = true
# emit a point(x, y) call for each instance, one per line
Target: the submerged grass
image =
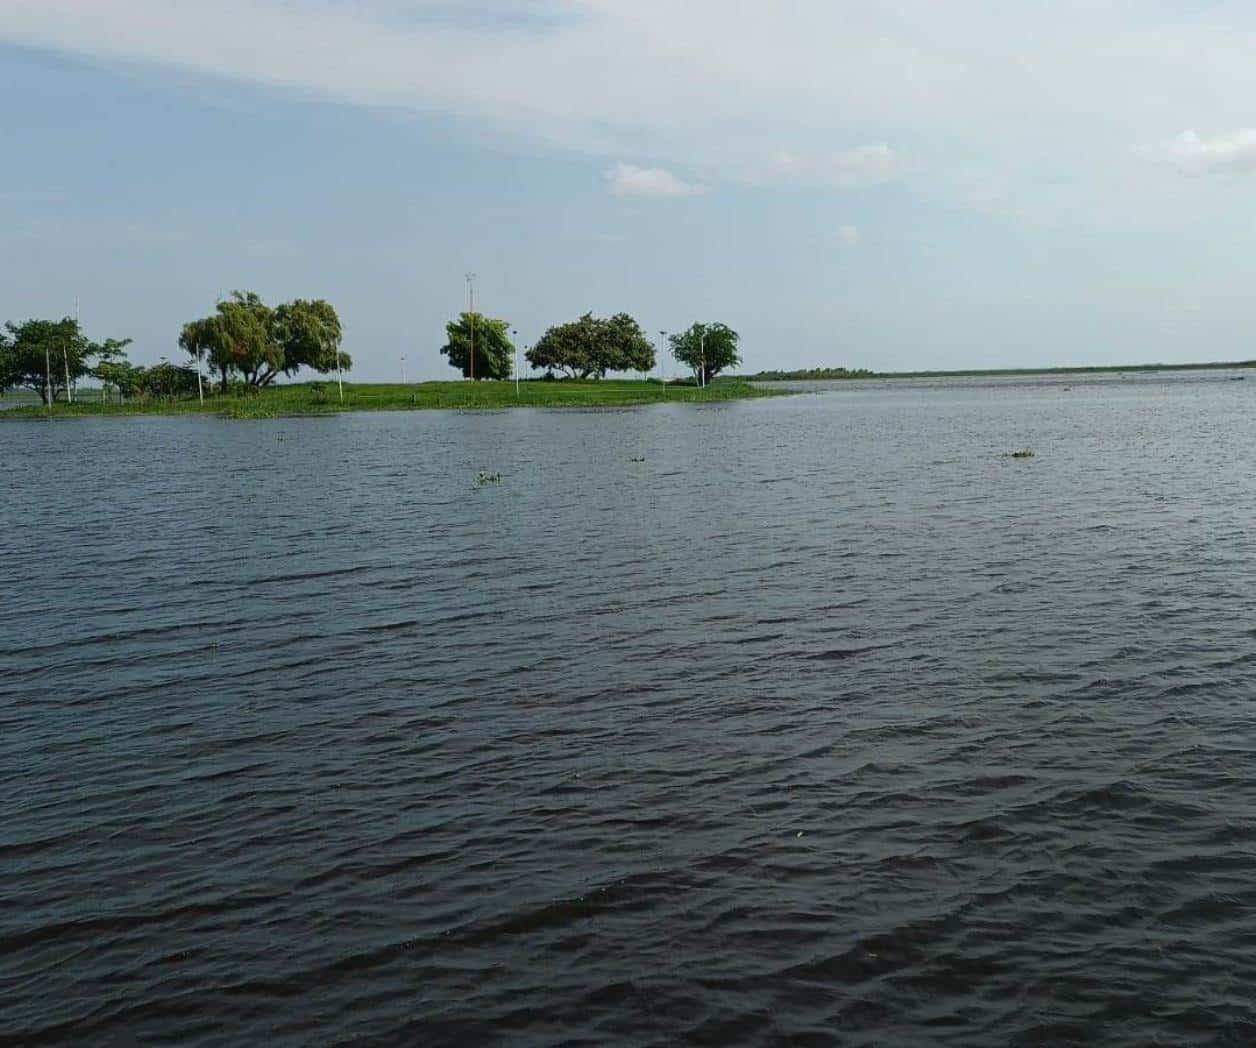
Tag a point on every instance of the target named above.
point(323, 399)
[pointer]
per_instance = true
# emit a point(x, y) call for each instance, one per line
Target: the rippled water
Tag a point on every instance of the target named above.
point(824, 721)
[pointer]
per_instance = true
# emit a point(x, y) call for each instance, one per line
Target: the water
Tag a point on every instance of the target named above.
point(825, 721)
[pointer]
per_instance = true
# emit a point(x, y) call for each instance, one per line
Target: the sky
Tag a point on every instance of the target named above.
point(896, 185)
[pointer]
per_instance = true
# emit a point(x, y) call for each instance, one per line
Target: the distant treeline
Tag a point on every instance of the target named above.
point(810, 375)
point(825, 374)
point(1112, 369)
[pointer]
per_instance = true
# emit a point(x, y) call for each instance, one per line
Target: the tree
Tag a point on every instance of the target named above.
point(590, 347)
point(45, 355)
point(245, 336)
point(707, 348)
point(309, 332)
point(167, 380)
point(126, 378)
point(494, 352)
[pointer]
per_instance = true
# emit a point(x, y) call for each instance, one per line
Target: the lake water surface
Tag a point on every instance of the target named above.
point(826, 720)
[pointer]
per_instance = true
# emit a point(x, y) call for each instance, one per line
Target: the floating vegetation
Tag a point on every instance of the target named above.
point(249, 411)
point(484, 477)
point(1024, 453)
point(638, 459)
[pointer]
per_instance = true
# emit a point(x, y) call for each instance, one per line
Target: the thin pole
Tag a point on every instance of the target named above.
point(200, 390)
point(663, 359)
point(340, 377)
point(471, 312)
point(514, 337)
point(702, 357)
point(69, 390)
point(48, 376)
point(403, 369)
point(65, 357)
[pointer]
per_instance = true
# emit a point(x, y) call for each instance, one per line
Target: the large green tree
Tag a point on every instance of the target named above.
point(246, 337)
point(707, 349)
point(309, 332)
point(494, 352)
point(50, 355)
point(590, 347)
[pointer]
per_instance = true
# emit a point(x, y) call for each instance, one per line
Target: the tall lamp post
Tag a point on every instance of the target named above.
point(471, 314)
point(514, 337)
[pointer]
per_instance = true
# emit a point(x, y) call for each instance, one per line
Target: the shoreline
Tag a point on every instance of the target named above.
point(318, 399)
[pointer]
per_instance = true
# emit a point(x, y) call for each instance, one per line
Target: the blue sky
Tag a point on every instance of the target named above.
point(898, 185)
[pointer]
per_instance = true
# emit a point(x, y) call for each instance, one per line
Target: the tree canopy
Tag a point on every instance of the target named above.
point(494, 351)
point(590, 347)
point(39, 354)
point(246, 337)
point(707, 349)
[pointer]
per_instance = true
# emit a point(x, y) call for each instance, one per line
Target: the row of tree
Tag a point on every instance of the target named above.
point(51, 356)
point(585, 348)
point(245, 340)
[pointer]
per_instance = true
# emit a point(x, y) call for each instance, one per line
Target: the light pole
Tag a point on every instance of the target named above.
point(65, 356)
point(663, 359)
point(403, 369)
point(514, 337)
point(702, 357)
point(471, 314)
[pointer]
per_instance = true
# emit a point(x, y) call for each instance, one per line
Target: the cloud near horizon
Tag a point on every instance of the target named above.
point(1230, 153)
point(628, 180)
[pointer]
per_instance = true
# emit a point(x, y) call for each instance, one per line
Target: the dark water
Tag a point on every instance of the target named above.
point(825, 722)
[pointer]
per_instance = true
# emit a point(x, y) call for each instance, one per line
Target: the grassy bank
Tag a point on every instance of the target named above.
point(842, 374)
point(323, 398)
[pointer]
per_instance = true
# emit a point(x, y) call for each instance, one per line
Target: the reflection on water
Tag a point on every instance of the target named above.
point(825, 720)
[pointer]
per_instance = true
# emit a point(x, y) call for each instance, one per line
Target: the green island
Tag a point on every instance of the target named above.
point(323, 398)
point(239, 355)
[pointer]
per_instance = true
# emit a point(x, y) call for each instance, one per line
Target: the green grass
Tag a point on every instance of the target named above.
point(323, 399)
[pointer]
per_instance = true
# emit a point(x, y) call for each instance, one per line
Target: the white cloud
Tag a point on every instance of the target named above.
point(848, 236)
point(1198, 156)
point(627, 180)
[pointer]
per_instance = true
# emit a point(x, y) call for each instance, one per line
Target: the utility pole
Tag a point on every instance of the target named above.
point(471, 313)
point(65, 353)
point(65, 359)
point(702, 353)
point(663, 359)
point(514, 337)
point(403, 369)
point(48, 376)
